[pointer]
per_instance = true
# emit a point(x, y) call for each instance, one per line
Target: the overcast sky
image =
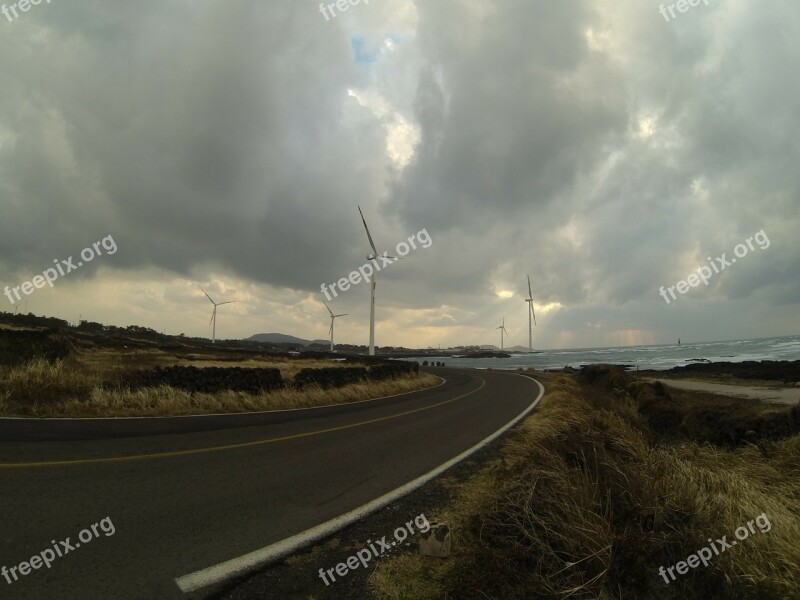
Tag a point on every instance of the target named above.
point(595, 145)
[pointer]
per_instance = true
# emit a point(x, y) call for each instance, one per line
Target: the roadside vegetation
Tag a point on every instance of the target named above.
point(88, 383)
point(609, 480)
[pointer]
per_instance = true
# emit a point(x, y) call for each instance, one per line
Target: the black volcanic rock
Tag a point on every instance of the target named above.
point(488, 354)
point(787, 371)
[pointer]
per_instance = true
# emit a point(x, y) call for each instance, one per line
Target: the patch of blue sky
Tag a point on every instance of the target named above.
point(364, 54)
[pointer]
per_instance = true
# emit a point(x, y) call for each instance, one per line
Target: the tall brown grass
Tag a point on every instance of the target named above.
point(586, 503)
point(72, 388)
point(39, 384)
point(165, 400)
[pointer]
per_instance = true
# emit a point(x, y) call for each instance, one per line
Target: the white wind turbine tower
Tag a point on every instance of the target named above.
point(529, 300)
point(333, 318)
point(502, 329)
point(214, 314)
point(372, 256)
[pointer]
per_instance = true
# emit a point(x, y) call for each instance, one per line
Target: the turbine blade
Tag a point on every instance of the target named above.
point(330, 331)
point(530, 293)
point(328, 307)
point(228, 302)
point(371, 243)
point(533, 312)
point(207, 296)
point(213, 314)
point(342, 315)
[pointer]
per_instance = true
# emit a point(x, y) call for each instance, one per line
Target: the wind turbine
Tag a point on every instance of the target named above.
point(214, 314)
point(529, 300)
point(333, 318)
point(16, 305)
point(372, 256)
point(502, 329)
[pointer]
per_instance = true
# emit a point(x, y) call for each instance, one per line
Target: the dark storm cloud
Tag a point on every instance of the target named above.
point(503, 130)
point(215, 132)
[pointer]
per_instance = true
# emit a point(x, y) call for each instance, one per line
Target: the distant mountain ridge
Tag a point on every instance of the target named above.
point(282, 338)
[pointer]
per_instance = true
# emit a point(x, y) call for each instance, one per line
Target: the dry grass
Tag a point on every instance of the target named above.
point(68, 388)
point(106, 362)
point(584, 505)
point(13, 327)
point(165, 400)
point(110, 361)
point(41, 383)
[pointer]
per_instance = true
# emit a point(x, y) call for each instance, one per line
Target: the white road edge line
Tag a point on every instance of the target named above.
point(248, 562)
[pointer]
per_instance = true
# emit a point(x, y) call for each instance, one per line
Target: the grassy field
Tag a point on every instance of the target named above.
point(593, 493)
point(76, 386)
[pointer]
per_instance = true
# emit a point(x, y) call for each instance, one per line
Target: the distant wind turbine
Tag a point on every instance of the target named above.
point(502, 329)
point(372, 256)
point(529, 300)
point(333, 318)
point(214, 314)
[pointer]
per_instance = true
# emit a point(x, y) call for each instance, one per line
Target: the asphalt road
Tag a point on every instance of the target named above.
point(182, 502)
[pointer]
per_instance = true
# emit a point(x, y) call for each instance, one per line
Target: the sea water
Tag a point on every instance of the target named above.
point(641, 357)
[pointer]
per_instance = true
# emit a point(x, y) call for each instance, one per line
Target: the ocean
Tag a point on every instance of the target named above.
point(642, 357)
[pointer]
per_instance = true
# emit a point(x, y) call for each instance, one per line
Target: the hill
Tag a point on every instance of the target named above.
point(282, 338)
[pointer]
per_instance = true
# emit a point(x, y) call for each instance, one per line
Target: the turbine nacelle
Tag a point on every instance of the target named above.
point(384, 255)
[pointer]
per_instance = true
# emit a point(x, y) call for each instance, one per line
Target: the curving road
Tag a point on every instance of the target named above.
point(182, 503)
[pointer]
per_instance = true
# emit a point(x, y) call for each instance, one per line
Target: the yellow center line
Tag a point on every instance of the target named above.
point(295, 436)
